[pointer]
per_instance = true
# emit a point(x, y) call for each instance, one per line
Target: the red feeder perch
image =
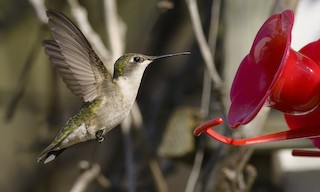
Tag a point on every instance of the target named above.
point(298, 133)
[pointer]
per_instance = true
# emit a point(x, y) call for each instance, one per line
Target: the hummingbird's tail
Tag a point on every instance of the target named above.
point(50, 156)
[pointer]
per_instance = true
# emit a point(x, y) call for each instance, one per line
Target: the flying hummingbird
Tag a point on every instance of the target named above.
point(107, 99)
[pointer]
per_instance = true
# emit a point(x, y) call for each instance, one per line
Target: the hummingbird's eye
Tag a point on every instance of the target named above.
point(138, 59)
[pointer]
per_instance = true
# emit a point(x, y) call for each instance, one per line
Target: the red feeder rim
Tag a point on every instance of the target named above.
point(260, 69)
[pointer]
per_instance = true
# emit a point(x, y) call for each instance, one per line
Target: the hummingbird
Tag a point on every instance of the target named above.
point(107, 98)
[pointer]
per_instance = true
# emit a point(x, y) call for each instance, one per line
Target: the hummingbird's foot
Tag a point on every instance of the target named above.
point(100, 136)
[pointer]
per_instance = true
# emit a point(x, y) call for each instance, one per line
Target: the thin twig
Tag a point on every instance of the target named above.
point(86, 178)
point(204, 48)
point(206, 94)
point(136, 116)
point(40, 9)
point(242, 164)
point(115, 28)
point(214, 25)
point(196, 168)
point(125, 128)
point(213, 34)
point(251, 173)
point(157, 175)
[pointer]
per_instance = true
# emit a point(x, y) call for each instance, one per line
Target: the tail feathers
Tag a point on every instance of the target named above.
point(50, 156)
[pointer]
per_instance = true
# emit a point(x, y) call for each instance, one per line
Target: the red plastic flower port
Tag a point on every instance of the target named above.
point(272, 73)
point(308, 120)
point(275, 75)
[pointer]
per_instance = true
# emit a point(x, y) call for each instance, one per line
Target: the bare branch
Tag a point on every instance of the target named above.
point(157, 175)
point(214, 25)
point(115, 28)
point(213, 33)
point(125, 128)
point(86, 178)
point(204, 48)
point(206, 94)
point(136, 115)
point(196, 168)
point(40, 9)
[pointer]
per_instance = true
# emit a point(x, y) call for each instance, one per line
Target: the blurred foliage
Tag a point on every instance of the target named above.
point(177, 139)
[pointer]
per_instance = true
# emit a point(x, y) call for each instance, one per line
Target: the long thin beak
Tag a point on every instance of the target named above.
point(170, 55)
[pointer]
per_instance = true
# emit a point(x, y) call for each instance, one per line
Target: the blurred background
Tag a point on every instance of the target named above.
point(159, 153)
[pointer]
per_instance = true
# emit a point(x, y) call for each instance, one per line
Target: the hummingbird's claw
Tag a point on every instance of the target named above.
point(100, 136)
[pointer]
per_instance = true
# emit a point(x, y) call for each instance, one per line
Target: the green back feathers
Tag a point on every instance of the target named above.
point(86, 113)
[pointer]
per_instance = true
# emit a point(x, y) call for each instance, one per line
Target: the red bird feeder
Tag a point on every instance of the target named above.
point(275, 75)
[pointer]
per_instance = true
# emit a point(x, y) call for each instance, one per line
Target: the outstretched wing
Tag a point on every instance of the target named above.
point(70, 52)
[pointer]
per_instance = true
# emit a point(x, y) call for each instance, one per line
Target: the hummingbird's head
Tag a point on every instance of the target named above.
point(129, 64)
point(135, 63)
point(129, 69)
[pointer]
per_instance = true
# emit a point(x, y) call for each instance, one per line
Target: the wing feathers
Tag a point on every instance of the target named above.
point(71, 53)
